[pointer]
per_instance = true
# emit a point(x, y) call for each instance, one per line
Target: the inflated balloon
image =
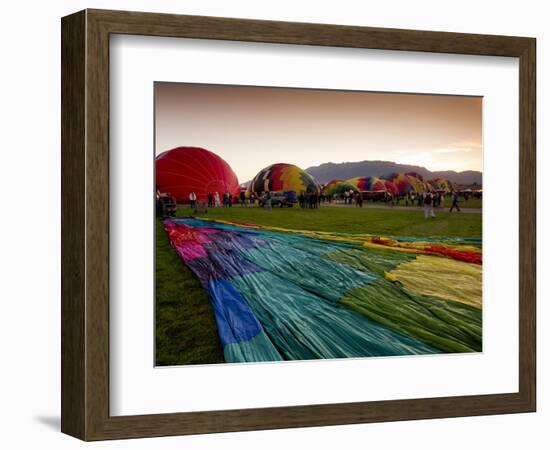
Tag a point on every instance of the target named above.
point(390, 176)
point(415, 175)
point(441, 184)
point(390, 187)
point(409, 182)
point(183, 170)
point(339, 188)
point(283, 177)
point(368, 184)
point(403, 184)
point(327, 187)
point(417, 183)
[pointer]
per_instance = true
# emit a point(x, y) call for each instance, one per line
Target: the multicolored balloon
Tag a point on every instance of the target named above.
point(183, 170)
point(415, 175)
point(441, 184)
point(403, 184)
point(283, 177)
point(339, 188)
point(390, 176)
point(368, 184)
point(390, 187)
point(327, 187)
point(359, 298)
point(408, 182)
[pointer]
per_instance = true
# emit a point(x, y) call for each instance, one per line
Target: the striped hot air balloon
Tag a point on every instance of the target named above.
point(409, 182)
point(283, 177)
point(390, 187)
point(339, 188)
point(327, 187)
point(368, 184)
point(441, 184)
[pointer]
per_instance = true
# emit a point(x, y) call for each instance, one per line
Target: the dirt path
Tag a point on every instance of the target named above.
point(402, 208)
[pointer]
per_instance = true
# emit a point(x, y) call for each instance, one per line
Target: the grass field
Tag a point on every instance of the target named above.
point(185, 325)
point(384, 221)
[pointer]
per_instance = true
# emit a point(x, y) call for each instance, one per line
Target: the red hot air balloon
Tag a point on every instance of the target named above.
point(183, 170)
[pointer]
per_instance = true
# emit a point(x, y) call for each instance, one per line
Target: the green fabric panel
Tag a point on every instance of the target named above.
point(303, 326)
point(257, 349)
point(449, 326)
point(325, 278)
point(374, 261)
point(311, 244)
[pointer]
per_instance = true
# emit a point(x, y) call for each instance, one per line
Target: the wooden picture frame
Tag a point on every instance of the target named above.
point(85, 224)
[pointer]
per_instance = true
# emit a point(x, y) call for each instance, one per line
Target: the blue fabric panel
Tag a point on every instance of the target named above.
point(257, 349)
point(236, 321)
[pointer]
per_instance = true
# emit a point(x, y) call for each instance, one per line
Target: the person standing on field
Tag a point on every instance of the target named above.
point(429, 205)
point(243, 199)
point(192, 200)
point(454, 201)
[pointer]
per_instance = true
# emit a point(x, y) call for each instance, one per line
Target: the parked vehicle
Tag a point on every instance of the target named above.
point(282, 198)
point(166, 205)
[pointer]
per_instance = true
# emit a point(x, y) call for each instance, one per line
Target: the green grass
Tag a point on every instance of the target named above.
point(383, 221)
point(185, 324)
point(472, 202)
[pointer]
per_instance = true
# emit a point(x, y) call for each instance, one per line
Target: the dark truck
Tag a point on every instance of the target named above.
point(282, 198)
point(165, 205)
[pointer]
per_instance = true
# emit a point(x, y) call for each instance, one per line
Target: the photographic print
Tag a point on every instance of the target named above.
point(304, 224)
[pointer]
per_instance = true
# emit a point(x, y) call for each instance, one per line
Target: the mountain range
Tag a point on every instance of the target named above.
point(330, 171)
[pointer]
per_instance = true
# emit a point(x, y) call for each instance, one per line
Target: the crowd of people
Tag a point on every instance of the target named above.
point(265, 199)
point(426, 200)
point(311, 200)
point(227, 200)
point(213, 200)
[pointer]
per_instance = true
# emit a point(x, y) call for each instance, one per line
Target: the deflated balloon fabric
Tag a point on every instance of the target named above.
point(442, 278)
point(282, 294)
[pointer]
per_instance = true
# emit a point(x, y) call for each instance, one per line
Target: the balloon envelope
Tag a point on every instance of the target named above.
point(441, 184)
point(283, 177)
point(183, 170)
point(415, 175)
point(417, 183)
point(368, 184)
point(330, 184)
point(339, 188)
point(390, 187)
point(405, 183)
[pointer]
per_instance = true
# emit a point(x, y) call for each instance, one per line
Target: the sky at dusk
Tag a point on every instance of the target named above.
point(253, 127)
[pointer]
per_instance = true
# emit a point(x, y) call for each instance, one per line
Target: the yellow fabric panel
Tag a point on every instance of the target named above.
point(370, 244)
point(418, 246)
point(417, 184)
point(291, 179)
point(390, 277)
point(442, 278)
point(366, 240)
